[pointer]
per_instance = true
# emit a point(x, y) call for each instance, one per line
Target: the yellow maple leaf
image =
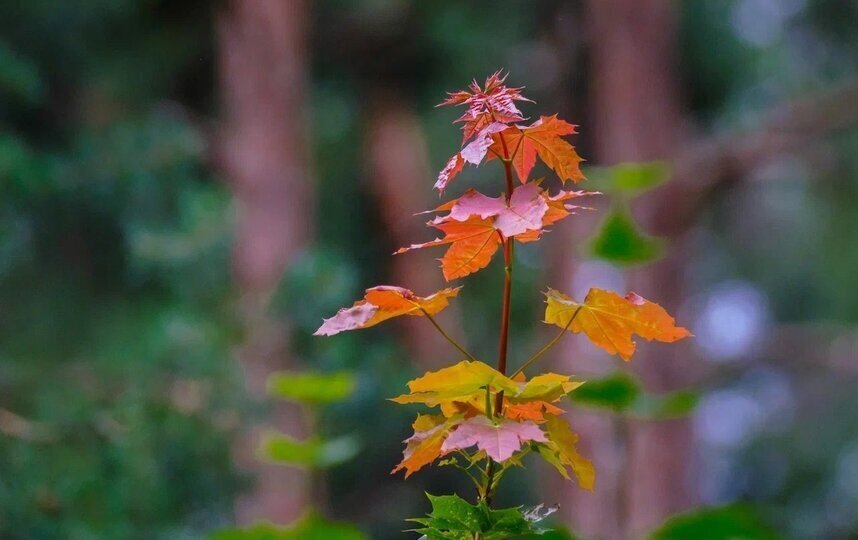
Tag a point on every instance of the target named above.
point(609, 320)
point(546, 387)
point(561, 451)
point(460, 382)
point(462, 390)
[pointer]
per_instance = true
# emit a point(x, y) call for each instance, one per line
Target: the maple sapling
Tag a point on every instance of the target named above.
point(487, 420)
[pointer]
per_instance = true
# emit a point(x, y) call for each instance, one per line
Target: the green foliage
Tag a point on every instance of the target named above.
point(116, 361)
point(453, 518)
point(734, 522)
point(617, 392)
point(310, 527)
point(313, 453)
point(628, 180)
point(312, 388)
point(621, 393)
point(620, 241)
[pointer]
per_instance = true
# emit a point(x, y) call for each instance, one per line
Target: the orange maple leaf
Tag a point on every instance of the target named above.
point(609, 320)
point(531, 410)
point(476, 224)
point(543, 138)
point(473, 243)
point(382, 303)
point(424, 447)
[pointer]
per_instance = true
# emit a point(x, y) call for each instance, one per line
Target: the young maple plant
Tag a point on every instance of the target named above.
point(488, 419)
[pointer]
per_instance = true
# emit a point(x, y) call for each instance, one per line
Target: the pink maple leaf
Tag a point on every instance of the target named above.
point(476, 150)
point(526, 208)
point(524, 212)
point(449, 172)
point(499, 441)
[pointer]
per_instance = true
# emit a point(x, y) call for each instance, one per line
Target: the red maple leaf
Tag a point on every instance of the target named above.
point(542, 138)
point(494, 102)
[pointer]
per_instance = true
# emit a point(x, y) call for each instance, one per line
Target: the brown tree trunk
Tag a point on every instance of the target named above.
point(400, 178)
point(636, 116)
point(263, 151)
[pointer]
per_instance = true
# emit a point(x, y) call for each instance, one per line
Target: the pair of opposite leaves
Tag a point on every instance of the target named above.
point(606, 318)
point(477, 224)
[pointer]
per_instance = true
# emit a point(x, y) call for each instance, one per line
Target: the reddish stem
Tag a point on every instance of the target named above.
point(505, 311)
point(507, 284)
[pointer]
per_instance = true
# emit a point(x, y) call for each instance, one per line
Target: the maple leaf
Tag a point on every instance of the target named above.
point(477, 149)
point(609, 320)
point(460, 382)
point(476, 224)
point(542, 138)
point(494, 102)
point(535, 397)
point(546, 387)
point(558, 209)
point(424, 446)
point(461, 390)
point(531, 410)
point(449, 172)
point(561, 451)
point(382, 303)
point(473, 153)
point(524, 212)
point(473, 243)
point(498, 440)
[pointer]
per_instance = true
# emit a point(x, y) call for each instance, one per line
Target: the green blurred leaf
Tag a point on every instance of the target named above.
point(310, 527)
point(621, 393)
point(617, 392)
point(312, 453)
point(312, 388)
point(628, 179)
point(666, 406)
point(734, 522)
point(620, 241)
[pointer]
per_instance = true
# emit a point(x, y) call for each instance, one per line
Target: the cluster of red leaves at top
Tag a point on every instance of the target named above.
point(474, 225)
point(489, 123)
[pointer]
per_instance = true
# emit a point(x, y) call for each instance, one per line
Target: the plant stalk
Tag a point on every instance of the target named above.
point(505, 310)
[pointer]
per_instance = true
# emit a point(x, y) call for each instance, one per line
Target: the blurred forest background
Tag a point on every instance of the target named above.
point(189, 187)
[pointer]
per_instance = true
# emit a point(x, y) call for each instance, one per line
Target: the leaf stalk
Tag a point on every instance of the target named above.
point(452, 341)
point(538, 354)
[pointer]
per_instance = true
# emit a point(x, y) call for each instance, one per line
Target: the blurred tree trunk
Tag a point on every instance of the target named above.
point(262, 58)
point(636, 116)
point(399, 177)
